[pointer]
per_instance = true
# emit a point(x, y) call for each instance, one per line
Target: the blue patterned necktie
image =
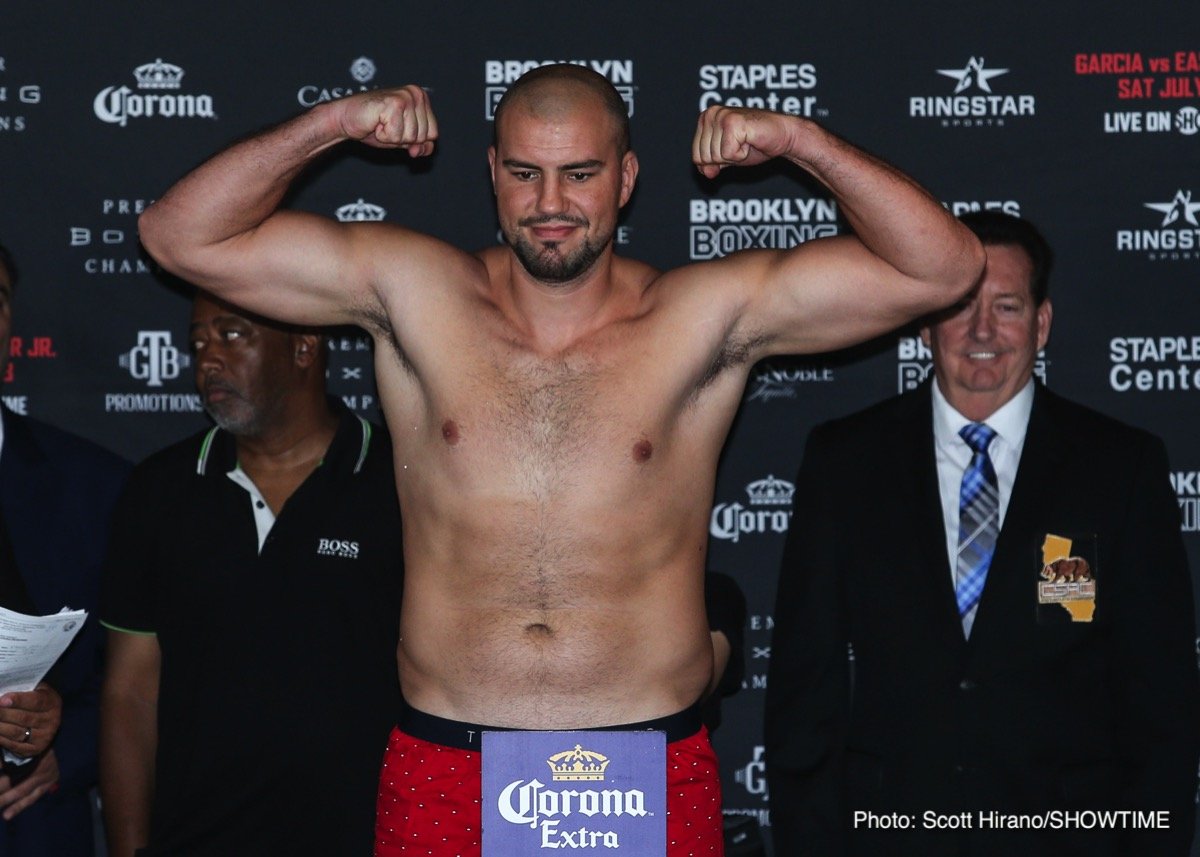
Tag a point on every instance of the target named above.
point(978, 523)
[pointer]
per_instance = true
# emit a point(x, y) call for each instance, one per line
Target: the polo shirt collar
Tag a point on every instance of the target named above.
point(347, 453)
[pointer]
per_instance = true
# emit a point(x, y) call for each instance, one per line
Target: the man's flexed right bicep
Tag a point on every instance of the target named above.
point(220, 228)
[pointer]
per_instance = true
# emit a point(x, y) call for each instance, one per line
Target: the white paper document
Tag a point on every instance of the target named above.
point(29, 645)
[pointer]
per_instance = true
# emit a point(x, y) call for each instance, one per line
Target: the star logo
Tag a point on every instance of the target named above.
point(1181, 205)
point(972, 74)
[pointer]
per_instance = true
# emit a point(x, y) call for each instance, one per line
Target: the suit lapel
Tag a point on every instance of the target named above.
point(28, 491)
point(928, 529)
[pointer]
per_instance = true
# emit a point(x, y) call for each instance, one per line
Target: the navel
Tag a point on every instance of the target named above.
point(450, 432)
point(642, 450)
point(539, 630)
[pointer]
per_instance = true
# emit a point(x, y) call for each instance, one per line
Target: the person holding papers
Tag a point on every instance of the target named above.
point(57, 492)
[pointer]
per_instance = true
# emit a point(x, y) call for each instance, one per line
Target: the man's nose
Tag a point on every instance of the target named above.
point(550, 200)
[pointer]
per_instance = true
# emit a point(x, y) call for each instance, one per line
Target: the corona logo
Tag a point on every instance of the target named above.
point(360, 212)
point(157, 95)
point(578, 765)
point(158, 75)
point(770, 492)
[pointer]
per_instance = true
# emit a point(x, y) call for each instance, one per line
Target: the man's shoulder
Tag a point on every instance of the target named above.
point(1087, 427)
point(177, 459)
point(66, 451)
point(877, 421)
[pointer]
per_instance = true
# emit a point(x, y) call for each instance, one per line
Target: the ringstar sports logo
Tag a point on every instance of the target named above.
point(499, 74)
point(769, 511)
point(157, 95)
point(1177, 236)
point(362, 72)
point(972, 103)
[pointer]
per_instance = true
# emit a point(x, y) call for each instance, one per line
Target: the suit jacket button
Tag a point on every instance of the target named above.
point(966, 684)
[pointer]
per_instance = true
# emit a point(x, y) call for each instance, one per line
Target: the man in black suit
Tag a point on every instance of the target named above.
point(978, 634)
point(57, 492)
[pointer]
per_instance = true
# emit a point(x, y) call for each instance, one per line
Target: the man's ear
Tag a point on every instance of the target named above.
point(308, 346)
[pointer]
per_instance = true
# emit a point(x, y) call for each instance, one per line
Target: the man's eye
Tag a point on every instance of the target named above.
point(524, 175)
point(231, 334)
point(580, 177)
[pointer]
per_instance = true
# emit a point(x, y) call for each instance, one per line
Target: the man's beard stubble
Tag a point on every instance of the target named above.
point(546, 263)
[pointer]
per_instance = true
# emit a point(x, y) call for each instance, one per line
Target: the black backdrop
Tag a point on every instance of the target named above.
point(1082, 117)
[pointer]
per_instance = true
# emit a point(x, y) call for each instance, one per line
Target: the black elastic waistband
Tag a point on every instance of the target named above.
point(467, 736)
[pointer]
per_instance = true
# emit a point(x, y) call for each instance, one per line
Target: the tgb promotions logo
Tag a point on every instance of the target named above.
point(723, 226)
point(498, 75)
point(158, 85)
point(1187, 487)
point(769, 510)
point(1176, 236)
point(972, 103)
point(782, 87)
point(362, 73)
point(753, 777)
point(153, 361)
point(914, 362)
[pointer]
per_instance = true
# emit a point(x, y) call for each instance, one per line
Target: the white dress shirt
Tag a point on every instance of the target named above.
point(953, 455)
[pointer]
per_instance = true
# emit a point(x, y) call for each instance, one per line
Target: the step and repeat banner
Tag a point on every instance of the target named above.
point(1084, 119)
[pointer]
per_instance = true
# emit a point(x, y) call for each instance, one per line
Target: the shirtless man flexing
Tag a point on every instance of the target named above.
point(557, 411)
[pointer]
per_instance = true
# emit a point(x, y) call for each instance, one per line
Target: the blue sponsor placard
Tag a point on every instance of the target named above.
point(574, 790)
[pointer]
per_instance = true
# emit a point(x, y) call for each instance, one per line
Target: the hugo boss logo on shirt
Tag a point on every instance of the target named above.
point(337, 547)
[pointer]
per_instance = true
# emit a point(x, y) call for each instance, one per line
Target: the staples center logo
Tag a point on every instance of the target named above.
point(499, 74)
point(154, 359)
point(730, 521)
point(972, 102)
point(1178, 233)
point(723, 226)
point(157, 83)
point(362, 71)
point(766, 86)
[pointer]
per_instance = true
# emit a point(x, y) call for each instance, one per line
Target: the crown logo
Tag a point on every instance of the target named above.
point(158, 75)
point(359, 212)
point(770, 492)
point(362, 69)
point(578, 765)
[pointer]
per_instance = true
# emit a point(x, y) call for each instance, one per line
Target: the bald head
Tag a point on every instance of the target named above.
point(555, 91)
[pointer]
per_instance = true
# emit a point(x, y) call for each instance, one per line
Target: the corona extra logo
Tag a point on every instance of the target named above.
point(578, 765)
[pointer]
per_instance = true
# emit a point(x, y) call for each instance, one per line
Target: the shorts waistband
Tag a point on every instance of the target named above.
point(468, 736)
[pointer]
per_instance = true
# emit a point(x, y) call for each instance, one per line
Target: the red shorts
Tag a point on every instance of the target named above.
point(429, 797)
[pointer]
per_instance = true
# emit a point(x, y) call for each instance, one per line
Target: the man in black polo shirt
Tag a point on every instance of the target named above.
point(252, 596)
